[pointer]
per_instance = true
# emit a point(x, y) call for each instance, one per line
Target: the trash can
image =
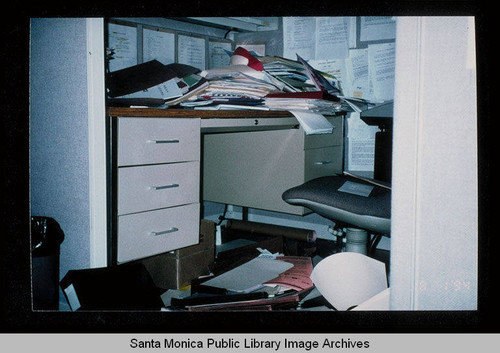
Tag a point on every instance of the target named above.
point(46, 238)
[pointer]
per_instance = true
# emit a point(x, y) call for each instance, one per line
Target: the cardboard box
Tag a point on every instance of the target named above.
point(206, 242)
point(176, 269)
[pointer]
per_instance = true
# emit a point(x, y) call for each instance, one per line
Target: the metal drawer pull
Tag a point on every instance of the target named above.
point(171, 230)
point(164, 187)
point(323, 162)
point(164, 141)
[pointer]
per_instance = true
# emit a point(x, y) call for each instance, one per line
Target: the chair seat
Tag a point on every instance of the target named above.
point(322, 195)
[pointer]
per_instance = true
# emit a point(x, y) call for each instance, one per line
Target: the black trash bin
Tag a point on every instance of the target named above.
point(46, 239)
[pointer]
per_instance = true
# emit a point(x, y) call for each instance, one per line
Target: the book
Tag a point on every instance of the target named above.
point(304, 95)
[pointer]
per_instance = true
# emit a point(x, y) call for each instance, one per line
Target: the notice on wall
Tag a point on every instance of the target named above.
point(122, 40)
point(358, 78)
point(377, 28)
point(316, 37)
point(381, 64)
point(331, 38)
point(360, 144)
point(299, 35)
point(218, 54)
point(159, 45)
point(191, 51)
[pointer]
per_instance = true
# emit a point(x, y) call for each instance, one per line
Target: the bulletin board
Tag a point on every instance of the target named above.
point(130, 44)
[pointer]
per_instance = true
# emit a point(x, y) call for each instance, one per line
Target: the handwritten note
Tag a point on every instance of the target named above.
point(191, 51)
point(123, 40)
point(158, 45)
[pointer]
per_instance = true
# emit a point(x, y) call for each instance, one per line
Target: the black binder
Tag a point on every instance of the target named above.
point(120, 287)
point(143, 76)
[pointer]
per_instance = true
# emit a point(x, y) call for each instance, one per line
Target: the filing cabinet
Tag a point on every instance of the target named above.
point(155, 193)
point(274, 161)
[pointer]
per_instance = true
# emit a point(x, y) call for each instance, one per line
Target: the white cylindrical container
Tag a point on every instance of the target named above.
point(356, 241)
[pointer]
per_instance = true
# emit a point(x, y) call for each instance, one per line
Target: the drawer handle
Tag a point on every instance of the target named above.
point(164, 187)
point(171, 230)
point(323, 162)
point(164, 141)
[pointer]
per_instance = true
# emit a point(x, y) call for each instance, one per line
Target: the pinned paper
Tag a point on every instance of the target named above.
point(349, 279)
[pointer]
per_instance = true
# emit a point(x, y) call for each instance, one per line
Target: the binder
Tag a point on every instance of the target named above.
point(121, 287)
point(143, 76)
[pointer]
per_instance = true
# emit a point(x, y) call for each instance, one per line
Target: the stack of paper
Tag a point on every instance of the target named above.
point(240, 80)
point(291, 73)
point(251, 275)
point(267, 282)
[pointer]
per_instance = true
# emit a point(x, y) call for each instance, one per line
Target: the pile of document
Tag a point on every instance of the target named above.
point(153, 84)
point(249, 82)
point(274, 83)
point(267, 282)
point(234, 85)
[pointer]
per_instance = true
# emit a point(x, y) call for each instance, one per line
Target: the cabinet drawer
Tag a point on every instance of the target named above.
point(325, 140)
point(322, 161)
point(154, 232)
point(157, 186)
point(155, 140)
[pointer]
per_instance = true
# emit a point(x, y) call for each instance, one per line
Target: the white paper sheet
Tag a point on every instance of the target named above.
point(299, 37)
point(316, 37)
point(381, 61)
point(377, 28)
point(360, 144)
point(191, 51)
point(358, 82)
point(331, 38)
point(380, 301)
point(158, 45)
point(250, 275)
point(313, 123)
point(123, 40)
point(348, 279)
point(359, 189)
point(218, 57)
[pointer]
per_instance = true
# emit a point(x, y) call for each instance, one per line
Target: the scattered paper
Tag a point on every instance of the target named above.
point(351, 187)
point(250, 275)
point(313, 123)
point(174, 293)
point(349, 279)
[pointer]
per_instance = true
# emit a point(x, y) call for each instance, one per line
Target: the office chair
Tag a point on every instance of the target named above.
point(338, 198)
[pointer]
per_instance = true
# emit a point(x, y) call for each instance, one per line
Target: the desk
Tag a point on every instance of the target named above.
point(163, 162)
